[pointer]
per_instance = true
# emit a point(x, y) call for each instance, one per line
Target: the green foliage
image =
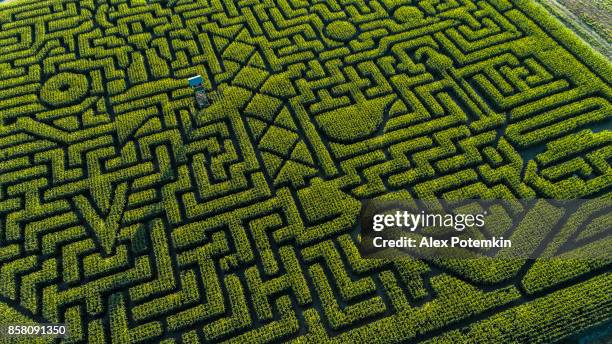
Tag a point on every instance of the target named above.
point(133, 217)
point(341, 30)
point(64, 88)
point(354, 122)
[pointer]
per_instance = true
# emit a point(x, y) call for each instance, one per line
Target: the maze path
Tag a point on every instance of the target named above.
point(133, 217)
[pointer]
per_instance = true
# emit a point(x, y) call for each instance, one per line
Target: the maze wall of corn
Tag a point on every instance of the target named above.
point(134, 216)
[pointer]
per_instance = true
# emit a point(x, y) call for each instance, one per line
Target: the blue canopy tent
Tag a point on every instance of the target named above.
point(195, 81)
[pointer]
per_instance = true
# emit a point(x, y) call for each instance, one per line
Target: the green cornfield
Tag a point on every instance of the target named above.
point(133, 216)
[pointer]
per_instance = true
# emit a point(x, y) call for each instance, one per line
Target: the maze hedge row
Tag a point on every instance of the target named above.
point(132, 216)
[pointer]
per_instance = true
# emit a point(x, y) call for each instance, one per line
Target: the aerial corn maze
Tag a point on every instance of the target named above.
point(132, 215)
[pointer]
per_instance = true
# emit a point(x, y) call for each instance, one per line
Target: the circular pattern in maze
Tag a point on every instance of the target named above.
point(408, 15)
point(341, 30)
point(63, 89)
point(132, 216)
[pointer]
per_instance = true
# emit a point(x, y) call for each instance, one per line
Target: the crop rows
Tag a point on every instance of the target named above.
point(132, 216)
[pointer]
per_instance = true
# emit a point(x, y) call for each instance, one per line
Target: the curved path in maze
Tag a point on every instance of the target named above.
point(133, 217)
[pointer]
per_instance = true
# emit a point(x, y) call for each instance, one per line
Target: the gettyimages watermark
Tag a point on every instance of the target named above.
point(504, 229)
